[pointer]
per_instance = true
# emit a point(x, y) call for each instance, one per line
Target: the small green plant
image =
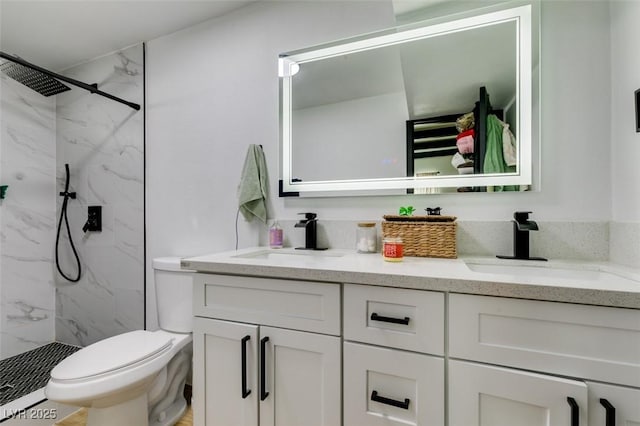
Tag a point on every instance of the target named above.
point(407, 211)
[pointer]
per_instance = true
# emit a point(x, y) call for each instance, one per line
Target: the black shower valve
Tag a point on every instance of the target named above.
point(94, 219)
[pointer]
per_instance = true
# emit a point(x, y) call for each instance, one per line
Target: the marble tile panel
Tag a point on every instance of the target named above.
point(96, 274)
point(27, 225)
point(127, 226)
point(22, 105)
point(86, 316)
point(24, 337)
point(128, 315)
point(102, 141)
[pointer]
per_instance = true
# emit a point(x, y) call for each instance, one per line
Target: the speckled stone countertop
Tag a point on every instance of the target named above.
point(594, 283)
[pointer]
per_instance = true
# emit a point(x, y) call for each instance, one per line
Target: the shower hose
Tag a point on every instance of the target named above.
point(63, 214)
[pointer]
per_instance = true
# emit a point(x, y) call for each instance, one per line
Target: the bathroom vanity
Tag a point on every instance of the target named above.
point(339, 338)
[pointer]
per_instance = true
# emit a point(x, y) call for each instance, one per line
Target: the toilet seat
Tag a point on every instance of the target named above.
point(112, 354)
point(108, 369)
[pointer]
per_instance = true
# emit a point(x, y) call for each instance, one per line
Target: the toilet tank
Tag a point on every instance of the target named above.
point(174, 295)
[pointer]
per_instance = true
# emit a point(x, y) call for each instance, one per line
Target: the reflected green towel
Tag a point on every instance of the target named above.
point(494, 157)
point(252, 191)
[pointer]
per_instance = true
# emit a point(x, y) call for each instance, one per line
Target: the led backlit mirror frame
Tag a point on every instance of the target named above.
point(290, 63)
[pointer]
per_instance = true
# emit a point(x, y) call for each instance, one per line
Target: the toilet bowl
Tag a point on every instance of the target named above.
point(136, 378)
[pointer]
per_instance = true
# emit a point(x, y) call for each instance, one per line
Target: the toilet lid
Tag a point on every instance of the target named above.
point(111, 354)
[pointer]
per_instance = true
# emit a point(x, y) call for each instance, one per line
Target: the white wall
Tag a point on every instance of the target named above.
point(625, 142)
point(575, 134)
point(213, 89)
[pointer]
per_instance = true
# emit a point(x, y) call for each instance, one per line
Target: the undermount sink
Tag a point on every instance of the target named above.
point(291, 254)
point(584, 273)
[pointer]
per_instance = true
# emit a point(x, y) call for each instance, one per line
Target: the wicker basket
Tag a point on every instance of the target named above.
point(423, 236)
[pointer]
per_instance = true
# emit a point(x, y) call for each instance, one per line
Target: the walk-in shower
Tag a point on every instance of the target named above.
point(64, 152)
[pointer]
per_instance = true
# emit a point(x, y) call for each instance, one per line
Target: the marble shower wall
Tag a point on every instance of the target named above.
point(27, 218)
point(102, 141)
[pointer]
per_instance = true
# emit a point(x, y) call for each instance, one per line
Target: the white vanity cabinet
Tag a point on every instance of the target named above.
point(393, 356)
point(611, 405)
point(286, 352)
point(482, 395)
point(266, 352)
point(556, 340)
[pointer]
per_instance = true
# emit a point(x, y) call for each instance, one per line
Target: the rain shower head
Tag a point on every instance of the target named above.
point(47, 82)
point(33, 79)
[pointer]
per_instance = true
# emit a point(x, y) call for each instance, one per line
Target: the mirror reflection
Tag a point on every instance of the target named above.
point(440, 106)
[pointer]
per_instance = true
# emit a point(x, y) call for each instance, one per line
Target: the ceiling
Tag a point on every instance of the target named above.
point(59, 34)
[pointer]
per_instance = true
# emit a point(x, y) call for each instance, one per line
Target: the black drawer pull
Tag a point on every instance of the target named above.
point(243, 347)
point(610, 419)
point(575, 411)
point(381, 399)
point(263, 369)
point(404, 321)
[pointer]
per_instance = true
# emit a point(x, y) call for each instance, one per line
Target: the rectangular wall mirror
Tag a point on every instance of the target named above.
point(444, 105)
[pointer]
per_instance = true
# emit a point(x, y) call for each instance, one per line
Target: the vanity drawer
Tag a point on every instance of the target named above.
point(297, 305)
point(399, 318)
point(589, 342)
point(395, 376)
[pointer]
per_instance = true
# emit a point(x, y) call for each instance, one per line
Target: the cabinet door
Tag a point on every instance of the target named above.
point(481, 395)
point(622, 403)
point(388, 387)
point(225, 373)
point(301, 381)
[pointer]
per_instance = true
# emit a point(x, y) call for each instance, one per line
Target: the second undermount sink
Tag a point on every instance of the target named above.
point(290, 254)
point(561, 271)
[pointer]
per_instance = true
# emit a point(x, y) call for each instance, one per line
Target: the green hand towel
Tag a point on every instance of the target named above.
point(252, 190)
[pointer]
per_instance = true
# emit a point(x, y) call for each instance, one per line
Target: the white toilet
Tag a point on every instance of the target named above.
point(135, 378)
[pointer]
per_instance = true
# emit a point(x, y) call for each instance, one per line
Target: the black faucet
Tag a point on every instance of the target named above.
point(521, 227)
point(309, 223)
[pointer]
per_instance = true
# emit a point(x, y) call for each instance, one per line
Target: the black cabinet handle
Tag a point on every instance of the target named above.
point(243, 350)
point(575, 411)
point(404, 321)
point(381, 399)
point(263, 369)
point(610, 419)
